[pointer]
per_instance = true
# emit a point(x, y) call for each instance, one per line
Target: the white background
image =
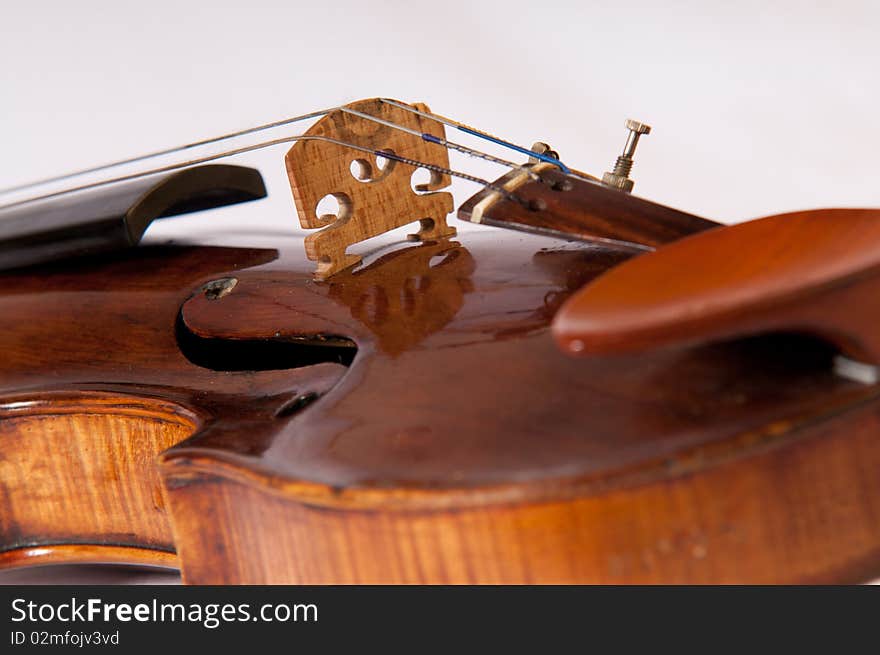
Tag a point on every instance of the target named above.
point(757, 107)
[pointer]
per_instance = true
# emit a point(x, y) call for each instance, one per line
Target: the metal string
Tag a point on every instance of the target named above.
point(387, 154)
point(166, 151)
point(316, 114)
point(449, 145)
point(482, 135)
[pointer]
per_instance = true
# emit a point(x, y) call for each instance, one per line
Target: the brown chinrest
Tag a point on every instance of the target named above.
point(815, 272)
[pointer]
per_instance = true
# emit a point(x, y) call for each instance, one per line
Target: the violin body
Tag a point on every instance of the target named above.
point(612, 391)
point(412, 421)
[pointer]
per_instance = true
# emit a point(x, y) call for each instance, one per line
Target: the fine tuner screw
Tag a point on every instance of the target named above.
point(544, 149)
point(619, 177)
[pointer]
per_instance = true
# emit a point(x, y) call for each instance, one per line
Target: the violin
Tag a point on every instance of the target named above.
point(569, 384)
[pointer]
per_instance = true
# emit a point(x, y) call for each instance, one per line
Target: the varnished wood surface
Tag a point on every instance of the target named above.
point(460, 444)
point(771, 514)
point(94, 385)
point(470, 358)
point(76, 553)
point(567, 207)
point(79, 477)
point(816, 272)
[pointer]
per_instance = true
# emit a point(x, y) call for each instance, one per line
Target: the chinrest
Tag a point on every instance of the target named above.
point(815, 272)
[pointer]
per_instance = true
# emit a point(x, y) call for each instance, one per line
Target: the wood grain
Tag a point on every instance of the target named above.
point(94, 384)
point(472, 450)
point(771, 517)
point(459, 445)
point(371, 199)
point(65, 458)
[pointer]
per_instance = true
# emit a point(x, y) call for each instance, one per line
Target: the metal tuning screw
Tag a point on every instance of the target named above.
point(544, 149)
point(619, 177)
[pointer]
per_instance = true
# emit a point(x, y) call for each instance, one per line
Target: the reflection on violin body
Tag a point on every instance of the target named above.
point(407, 294)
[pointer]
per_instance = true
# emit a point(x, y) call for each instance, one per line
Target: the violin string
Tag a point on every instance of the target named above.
point(467, 129)
point(449, 145)
point(316, 114)
point(168, 151)
point(387, 154)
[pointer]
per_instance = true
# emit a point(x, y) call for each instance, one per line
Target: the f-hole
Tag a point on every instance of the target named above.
point(263, 354)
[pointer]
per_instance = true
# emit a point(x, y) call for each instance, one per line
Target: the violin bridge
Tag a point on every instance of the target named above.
point(374, 194)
